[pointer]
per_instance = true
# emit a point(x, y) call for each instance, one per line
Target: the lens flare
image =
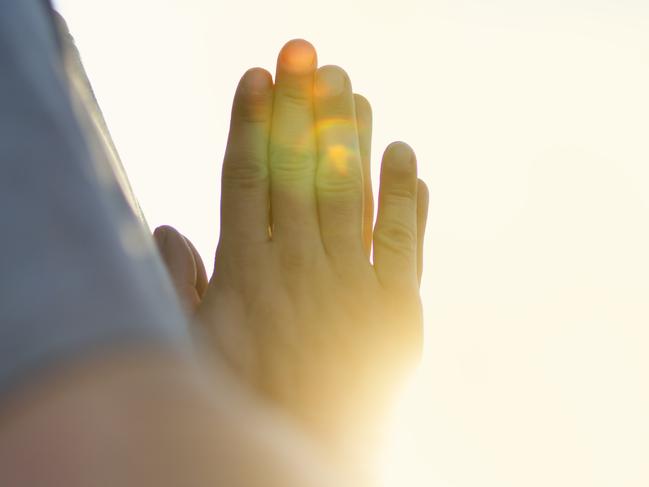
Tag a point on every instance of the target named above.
point(338, 157)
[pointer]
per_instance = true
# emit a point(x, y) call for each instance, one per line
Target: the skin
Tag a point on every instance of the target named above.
point(184, 264)
point(155, 415)
point(295, 306)
point(149, 417)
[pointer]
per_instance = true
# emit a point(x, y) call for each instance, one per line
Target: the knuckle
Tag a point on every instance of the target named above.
point(336, 184)
point(397, 237)
point(401, 197)
point(339, 172)
point(291, 163)
point(294, 96)
point(244, 171)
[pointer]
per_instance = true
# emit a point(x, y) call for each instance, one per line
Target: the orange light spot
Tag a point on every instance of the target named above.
point(298, 56)
point(339, 157)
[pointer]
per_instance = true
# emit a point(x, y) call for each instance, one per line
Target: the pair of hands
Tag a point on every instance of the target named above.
point(295, 306)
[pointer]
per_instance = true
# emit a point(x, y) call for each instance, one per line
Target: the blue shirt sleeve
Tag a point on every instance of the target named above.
point(78, 270)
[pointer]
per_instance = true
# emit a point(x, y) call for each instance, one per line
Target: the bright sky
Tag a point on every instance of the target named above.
point(531, 123)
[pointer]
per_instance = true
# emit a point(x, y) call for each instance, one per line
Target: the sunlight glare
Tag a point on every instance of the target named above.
point(530, 123)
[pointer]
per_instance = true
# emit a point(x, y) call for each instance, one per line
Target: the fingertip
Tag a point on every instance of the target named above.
point(331, 81)
point(363, 113)
point(161, 235)
point(298, 56)
point(400, 152)
point(422, 220)
point(253, 100)
point(201, 274)
point(362, 103)
point(422, 208)
point(168, 238)
point(162, 229)
point(422, 192)
point(256, 81)
point(175, 253)
point(160, 232)
point(400, 164)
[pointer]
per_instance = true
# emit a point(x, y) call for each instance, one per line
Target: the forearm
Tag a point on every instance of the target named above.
point(146, 419)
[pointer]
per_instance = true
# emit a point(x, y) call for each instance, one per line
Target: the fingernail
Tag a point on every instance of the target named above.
point(402, 157)
point(298, 56)
point(161, 235)
point(256, 82)
point(330, 82)
point(401, 151)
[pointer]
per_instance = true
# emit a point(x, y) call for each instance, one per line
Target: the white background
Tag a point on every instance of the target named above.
point(531, 123)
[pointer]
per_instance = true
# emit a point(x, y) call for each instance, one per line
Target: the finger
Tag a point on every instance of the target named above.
point(292, 149)
point(395, 236)
point(244, 183)
point(364, 124)
point(422, 217)
point(201, 275)
point(339, 178)
point(180, 264)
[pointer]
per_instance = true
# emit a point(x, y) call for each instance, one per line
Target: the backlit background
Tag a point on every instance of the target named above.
point(531, 124)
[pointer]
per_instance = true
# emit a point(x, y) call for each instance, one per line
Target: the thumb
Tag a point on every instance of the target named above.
point(184, 270)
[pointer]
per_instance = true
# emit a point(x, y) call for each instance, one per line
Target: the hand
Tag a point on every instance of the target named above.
point(295, 306)
point(184, 264)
